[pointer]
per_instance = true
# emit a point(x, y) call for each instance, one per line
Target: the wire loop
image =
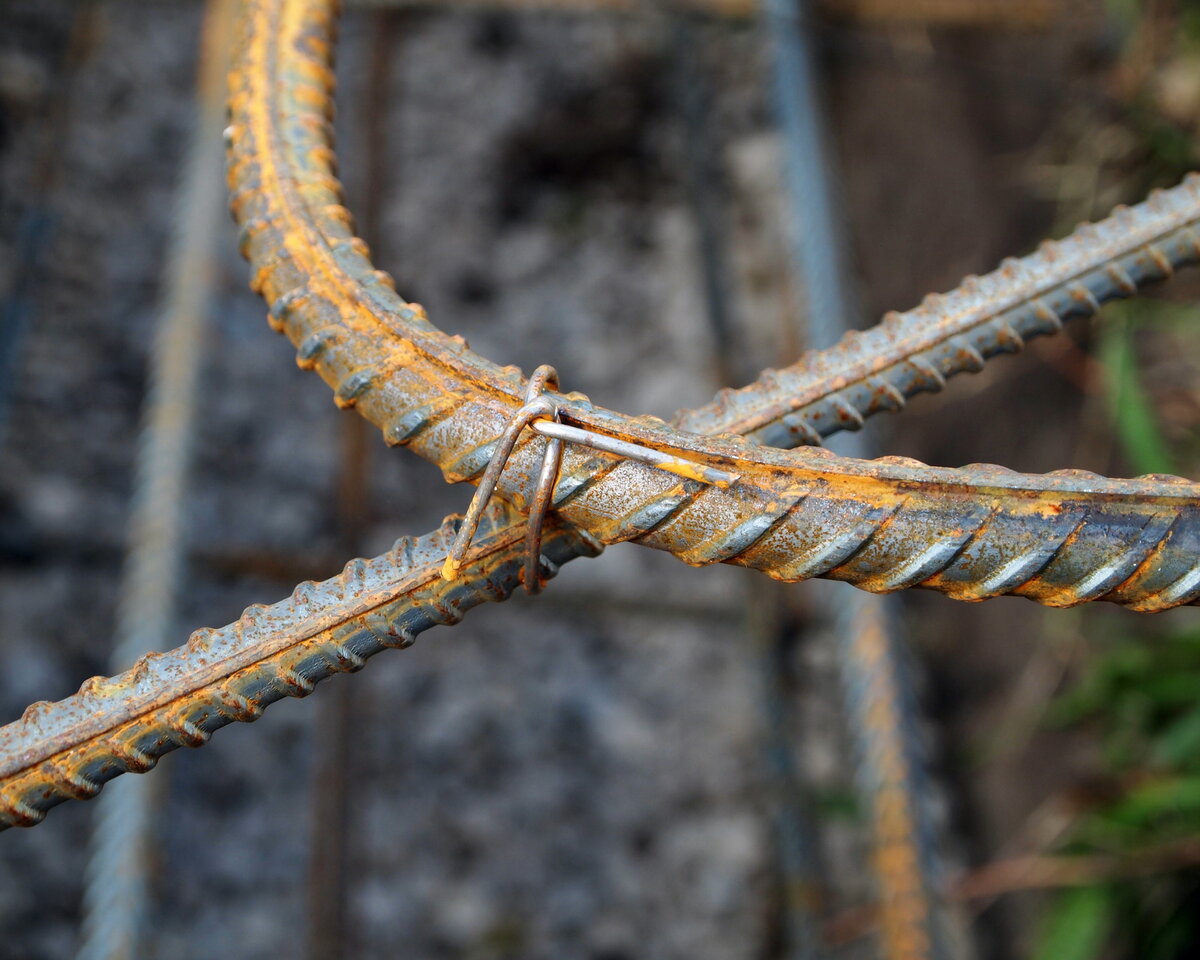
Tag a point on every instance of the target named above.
point(541, 414)
point(537, 406)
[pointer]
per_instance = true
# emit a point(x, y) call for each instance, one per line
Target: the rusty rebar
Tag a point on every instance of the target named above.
point(917, 351)
point(69, 749)
point(888, 524)
point(335, 804)
point(765, 630)
point(988, 14)
point(884, 525)
point(878, 702)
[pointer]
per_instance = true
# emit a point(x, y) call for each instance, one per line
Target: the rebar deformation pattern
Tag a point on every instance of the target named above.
point(889, 524)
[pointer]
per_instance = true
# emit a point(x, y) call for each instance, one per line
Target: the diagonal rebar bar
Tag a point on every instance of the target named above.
point(113, 725)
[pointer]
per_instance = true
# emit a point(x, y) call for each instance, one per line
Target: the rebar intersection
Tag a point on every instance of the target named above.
point(884, 525)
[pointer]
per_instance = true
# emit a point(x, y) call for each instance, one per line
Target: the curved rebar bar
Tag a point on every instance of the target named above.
point(113, 725)
point(883, 525)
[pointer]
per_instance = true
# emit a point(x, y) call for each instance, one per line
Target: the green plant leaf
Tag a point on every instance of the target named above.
point(1077, 925)
point(1135, 421)
point(1158, 802)
point(1179, 744)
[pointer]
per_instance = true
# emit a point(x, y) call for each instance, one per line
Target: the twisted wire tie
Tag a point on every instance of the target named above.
point(542, 414)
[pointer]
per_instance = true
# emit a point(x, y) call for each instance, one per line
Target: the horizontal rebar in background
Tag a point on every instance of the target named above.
point(991, 14)
point(1016, 15)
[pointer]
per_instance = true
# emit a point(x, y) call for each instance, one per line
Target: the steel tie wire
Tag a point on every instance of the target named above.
point(541, 414)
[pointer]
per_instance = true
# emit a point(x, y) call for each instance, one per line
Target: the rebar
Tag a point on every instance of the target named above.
point(113, 725)
point(990, 14)
point(116, 880)
point(888, 524)
point(884, 525)
point(877, 696)
point(917, 351)
point(816, 234)
point(766, 631)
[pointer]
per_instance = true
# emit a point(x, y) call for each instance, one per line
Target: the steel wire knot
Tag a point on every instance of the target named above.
point(537, 406)
point(541, 414)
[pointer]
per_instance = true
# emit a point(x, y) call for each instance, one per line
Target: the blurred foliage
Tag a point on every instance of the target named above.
point(1138, 829)
point(1141, 825)
point(1079, 926)
point(1133, 415)
point(1140, 694)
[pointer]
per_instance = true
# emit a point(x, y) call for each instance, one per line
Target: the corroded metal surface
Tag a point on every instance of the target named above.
point(70, 749)
point(883, 525)
point(877, 692)
point(917, 351)
point(891, 786)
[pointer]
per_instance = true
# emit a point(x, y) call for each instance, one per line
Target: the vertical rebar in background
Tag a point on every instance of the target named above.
point(36, 230)
point(878, 699)
point(116, 882)
point(766, 627)
point(336, 759)
point(816, 234)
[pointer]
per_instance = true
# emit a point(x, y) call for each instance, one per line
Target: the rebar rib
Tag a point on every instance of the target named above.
point(883, 525)
point(917, 351)
point(113, 725)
